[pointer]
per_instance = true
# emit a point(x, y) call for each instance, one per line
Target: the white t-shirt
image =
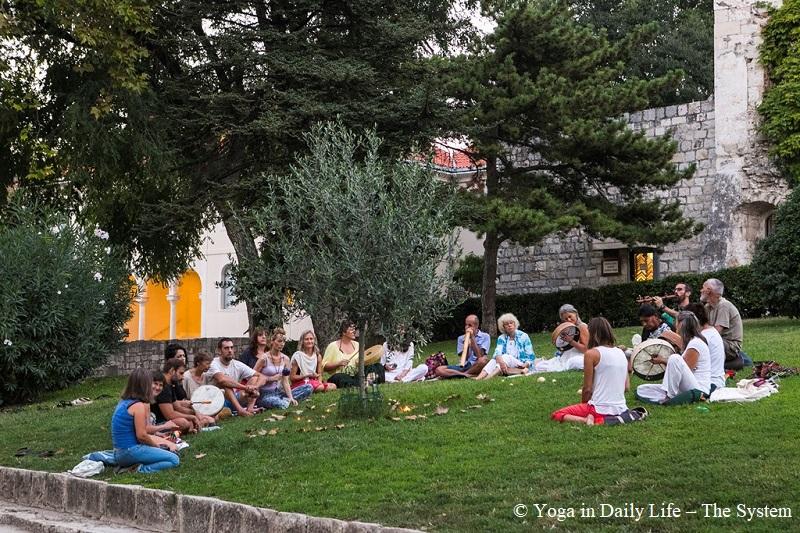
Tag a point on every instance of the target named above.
point(306, 363)
point(610, 374)
point(403, 360)
point(236, 370)
point(716, 350)
point(702, 372)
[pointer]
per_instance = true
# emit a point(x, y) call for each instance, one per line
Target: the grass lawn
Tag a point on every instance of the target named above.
point(467, 469)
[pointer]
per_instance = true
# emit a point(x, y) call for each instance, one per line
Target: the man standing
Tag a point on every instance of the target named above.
point(724, 316)
point(684, 292)
point(478, 347)
point(239, 382)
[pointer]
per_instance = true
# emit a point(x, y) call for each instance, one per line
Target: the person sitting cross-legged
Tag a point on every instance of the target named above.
point(238, 381)
point(398, 361)
point(307, 364)
point(198, 376)
point(688, 375)
point(276, 368)
point(167, 407)
point(477, 349)
point(513, 353)
point(133, 445)
point(605, 379)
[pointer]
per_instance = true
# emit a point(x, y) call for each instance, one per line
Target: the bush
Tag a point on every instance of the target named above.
point(617, 303)
point(64, 300)
point(469, 273)
point(776, 264)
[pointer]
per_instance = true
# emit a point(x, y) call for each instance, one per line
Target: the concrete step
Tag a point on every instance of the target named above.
point(15, 518)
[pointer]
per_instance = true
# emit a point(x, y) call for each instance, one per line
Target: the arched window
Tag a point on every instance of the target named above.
point(769, 225)
point(226, 284)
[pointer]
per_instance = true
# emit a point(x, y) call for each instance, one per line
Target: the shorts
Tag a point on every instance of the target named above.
point(579, 409)
point(460, 368)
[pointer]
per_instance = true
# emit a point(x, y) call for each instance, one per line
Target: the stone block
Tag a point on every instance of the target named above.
point(361, 527)
point(287, 523)
point(325, 525)
point(649, 114)
point(157, 510)
point(256, 519)
point(86, 497)
point(18, 483)
point(228, 516)
point(670, 111)
point(120, 502)
point(37, 492)
point(56, 491)
point(196, 514)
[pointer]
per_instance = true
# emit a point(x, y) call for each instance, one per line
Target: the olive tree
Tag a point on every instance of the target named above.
point(351, 234)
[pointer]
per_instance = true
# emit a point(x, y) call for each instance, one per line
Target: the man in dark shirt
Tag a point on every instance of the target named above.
point(652, 325)
point(168, 407)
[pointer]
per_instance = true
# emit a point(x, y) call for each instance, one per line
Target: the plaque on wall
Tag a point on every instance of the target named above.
point(610, 267)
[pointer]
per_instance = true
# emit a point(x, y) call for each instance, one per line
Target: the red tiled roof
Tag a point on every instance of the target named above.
point(451, 159)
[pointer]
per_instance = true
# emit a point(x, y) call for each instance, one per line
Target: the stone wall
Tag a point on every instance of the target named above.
point(150, 354)
point(572, 260)
point(146, 509)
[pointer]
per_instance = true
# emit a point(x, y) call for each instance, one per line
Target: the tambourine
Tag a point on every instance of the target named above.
point(571, 330)
point(208, 400)
point(674, 339)
point(372, 355)
point(643, 353)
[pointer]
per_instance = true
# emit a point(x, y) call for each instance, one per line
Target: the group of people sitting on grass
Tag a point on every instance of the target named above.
point(155, 403)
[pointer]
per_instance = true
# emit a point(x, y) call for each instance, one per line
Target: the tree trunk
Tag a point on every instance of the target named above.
point(243, 244)
point(490, 246)
point(362, 381)
point(489, 292)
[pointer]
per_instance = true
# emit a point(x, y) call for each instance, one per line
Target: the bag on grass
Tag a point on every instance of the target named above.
point(433, 362)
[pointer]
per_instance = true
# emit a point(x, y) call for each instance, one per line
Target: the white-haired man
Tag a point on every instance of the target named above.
point(724, 316)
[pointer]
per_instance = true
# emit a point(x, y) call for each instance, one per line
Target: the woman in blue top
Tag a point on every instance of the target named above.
point(513, 353)
point(132, 443)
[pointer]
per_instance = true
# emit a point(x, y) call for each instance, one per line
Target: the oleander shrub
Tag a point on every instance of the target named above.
point(64, 299)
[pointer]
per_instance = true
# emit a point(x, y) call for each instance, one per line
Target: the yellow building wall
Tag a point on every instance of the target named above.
point(156, 312)
point(187, 308)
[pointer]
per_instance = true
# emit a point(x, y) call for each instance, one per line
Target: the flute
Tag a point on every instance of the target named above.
point(650, 299)
point(464, 352)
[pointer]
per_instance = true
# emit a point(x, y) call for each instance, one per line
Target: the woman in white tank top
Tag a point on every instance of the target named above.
point(605, 379)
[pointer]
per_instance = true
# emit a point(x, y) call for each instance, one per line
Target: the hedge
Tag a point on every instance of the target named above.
point(539, 311)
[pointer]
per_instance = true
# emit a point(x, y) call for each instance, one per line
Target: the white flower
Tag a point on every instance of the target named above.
point(98, 276)
point(7, 342)
point(101, 234)
point(58, 292)
point(108, 250)
point(102, 302)
point(66, 286)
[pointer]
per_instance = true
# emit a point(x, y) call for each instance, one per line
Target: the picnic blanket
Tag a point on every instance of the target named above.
point(747, 390)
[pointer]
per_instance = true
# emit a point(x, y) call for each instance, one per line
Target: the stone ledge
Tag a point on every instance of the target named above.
point(139, 508)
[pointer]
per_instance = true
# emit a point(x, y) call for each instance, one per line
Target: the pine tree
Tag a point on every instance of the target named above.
point(545, 85)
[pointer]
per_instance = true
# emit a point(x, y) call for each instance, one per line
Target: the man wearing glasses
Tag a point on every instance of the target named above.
point(683, 291)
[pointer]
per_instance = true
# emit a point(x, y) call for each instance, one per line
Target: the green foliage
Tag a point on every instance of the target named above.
point(64, 299)
point(469, 273)
point(546, 86)
point(617, 303)
point(780, 109)
point(352, 235)
point(776, 263)
point(683, 40)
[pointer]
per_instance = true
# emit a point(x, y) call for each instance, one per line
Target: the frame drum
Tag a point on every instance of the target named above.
point(642, 355)
point(570, 329)
point(208, 400)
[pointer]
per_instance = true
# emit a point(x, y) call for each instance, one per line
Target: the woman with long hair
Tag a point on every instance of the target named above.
point(133, 445)
point(690, 371)
point(276, 368)
point(571, 358)
point(307, 364)
point(605, 379)
point(257, 348)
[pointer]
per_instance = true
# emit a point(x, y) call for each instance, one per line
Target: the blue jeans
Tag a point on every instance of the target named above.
point(151, 458)
point(277, 398)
